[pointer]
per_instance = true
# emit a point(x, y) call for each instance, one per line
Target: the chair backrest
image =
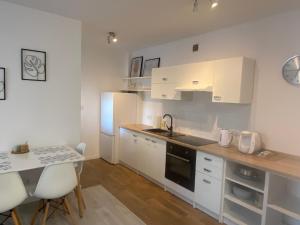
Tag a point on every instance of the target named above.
point(81, 150)
point(12, 191)
point(56, 181)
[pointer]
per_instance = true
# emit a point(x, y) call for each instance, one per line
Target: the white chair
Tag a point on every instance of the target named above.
point(55, 183)
point(79, 167)
point(12, 194)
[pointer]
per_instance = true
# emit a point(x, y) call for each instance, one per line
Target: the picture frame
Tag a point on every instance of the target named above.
point(149, 64)
point(33, 65)
point(136, 66)
point(2, 84)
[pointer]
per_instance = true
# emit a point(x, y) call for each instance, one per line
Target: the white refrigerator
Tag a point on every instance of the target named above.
point(116, 109)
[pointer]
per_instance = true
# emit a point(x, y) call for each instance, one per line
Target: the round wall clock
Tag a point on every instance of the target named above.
point(291, 70)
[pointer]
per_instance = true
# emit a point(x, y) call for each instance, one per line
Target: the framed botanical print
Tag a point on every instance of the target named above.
point(2, 84)
point(33, 65)
point(136, 67)
point(149, 65)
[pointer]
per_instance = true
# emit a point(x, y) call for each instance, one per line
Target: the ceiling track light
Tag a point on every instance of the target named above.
point(213, 4)
point(112, 37)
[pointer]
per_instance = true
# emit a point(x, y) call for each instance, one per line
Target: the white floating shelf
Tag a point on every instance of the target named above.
point(247, 204)
point(136, 78)
point(136, 90)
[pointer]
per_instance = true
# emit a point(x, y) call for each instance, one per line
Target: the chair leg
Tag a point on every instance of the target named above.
point(79, 201)
point(15, 217)
point(44, 220)
point(69, 211)
point(37, 211)
point(81, 197)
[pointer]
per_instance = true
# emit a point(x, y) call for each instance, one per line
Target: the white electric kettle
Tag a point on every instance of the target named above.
point(225, 138)
point(249, 142)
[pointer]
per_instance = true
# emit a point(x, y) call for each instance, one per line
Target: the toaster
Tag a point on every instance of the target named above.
point(249, 142)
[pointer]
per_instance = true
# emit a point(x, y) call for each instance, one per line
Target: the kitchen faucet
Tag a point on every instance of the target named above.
point(170, 128)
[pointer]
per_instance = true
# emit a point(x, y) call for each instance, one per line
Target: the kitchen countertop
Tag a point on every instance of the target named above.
point(276, 162)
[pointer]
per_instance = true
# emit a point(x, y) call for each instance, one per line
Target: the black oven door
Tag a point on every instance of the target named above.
point(180, 165)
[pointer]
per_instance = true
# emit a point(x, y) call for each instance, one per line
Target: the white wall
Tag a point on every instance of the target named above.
point(103, 65)
point(43, 113)
point(276, 106)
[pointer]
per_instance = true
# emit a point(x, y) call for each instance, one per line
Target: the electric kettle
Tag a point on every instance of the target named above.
point(225, 138)
point(249, 142)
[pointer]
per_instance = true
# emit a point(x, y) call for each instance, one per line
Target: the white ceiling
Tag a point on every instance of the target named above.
point(141, 23)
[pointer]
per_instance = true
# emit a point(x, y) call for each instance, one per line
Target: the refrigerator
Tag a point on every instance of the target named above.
point(116, 109)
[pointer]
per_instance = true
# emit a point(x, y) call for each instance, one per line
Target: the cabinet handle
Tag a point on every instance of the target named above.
point(154, 142)
point(134, 135)
point(207, 170)
point(147, 139)
point(208, 159)
point(195, 82)
point(164, 79)
point(217, 98)
point(163, 95)
point(206, 181)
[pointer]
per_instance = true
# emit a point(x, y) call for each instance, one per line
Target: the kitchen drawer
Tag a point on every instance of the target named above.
point(210, 170)
point(208, 160)
point(165, 91)
point(208, 192)
point(164, 75)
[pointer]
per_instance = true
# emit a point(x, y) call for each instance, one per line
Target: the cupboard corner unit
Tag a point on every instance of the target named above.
point(233, 80)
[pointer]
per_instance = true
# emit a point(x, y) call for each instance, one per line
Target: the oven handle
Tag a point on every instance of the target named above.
point(178, 157)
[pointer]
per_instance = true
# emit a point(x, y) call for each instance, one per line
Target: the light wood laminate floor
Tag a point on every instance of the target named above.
point(146, 200)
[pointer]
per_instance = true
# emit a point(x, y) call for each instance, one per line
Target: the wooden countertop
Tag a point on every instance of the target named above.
point(276, 162)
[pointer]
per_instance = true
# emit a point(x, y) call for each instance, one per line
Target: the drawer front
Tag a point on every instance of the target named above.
point(164, 75)
point(165, 91)
point(208, 192)
point(210, 170)
point(208, 160)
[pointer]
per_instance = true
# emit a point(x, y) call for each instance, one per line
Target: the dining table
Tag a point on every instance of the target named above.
point(38, 157)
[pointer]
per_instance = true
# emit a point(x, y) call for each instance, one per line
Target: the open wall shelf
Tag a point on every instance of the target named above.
point(136, 84)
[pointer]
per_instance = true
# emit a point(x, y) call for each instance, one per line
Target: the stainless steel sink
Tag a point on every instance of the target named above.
point(162, 132)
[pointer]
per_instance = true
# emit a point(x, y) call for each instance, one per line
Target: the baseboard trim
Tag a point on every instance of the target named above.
point(90, 157)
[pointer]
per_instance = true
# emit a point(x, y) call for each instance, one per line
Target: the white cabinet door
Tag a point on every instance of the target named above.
point(233, 80)
point(208, 192)
point(157, 160)
point(129, 148)
point(165, 91)
point(144, 146)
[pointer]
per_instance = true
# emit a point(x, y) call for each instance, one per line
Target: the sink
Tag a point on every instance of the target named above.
point(162, 132)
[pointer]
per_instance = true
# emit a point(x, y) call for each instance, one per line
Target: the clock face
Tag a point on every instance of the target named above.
point(291, 70)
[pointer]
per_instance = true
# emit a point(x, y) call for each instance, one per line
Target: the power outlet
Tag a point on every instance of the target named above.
point(195, 48)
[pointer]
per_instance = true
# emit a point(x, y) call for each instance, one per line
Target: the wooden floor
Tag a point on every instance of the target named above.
point(146, 200)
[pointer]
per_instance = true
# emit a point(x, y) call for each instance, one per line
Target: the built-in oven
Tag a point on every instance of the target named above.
point(181, 165)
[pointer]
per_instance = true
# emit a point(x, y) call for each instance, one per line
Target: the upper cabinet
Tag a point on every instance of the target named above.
point(233, 80)
point(230, 80)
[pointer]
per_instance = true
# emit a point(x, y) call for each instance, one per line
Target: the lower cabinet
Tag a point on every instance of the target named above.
point(144, 154)
point(208, 185)
point(208, 192)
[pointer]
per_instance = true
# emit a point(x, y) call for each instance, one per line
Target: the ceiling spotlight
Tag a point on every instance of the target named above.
point(112, 37)
point(214, 4)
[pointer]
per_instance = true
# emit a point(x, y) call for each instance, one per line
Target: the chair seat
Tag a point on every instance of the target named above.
point(12, 191)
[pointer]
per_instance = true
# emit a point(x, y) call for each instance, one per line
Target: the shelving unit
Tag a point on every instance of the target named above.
point(284, 197)
point(136, 84)
point(274, 217)
point(243, 211)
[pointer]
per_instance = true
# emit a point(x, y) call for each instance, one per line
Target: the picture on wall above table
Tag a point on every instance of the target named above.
point(33, 65)
point(136, 66)
point(2, 84)
point(149, 65)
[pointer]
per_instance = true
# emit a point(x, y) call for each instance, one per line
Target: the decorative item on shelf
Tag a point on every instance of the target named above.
point(242, 192)
point(136, 66)
point(149, 65)
point(112, 37)
point(291, 70)
point(2, 84)
point(33, 65)
point(247, 173)
point(21, 149)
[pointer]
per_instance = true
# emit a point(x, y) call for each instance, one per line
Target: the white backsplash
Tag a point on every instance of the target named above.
point(197, 117)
